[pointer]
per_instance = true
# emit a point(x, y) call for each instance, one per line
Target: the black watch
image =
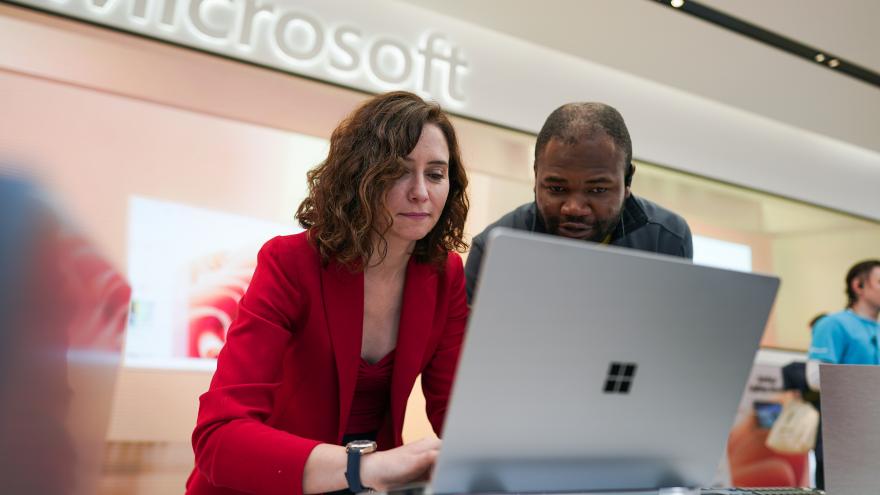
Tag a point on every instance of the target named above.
point(355, 450)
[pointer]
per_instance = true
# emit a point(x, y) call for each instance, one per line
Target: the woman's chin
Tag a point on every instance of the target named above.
point(409, 235)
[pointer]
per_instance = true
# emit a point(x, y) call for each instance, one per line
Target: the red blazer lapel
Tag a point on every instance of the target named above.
point(343, 295)
point(414, 330)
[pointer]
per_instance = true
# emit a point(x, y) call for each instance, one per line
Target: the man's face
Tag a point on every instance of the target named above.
point(579, 188)
point(869, 291)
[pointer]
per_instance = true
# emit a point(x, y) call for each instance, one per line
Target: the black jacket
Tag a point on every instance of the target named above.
point(646, 226)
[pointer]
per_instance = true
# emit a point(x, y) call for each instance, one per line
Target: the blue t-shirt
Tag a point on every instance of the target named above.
point(846, 338)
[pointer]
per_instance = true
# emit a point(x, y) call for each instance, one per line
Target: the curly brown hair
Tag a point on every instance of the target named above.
point(347, 190)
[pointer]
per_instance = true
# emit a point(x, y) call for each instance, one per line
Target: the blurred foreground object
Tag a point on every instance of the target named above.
point(63, 312)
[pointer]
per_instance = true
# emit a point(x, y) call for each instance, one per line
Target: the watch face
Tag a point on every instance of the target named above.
point(363, 446)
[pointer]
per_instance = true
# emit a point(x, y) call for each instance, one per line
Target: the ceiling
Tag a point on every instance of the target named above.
point(658, 43)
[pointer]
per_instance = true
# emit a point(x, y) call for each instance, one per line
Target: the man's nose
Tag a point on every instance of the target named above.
point(575, 207)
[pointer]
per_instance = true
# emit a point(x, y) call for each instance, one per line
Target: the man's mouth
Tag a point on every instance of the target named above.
point(575, 230)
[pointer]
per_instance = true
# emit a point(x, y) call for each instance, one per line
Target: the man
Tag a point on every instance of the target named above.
point(848, 336)
point(583, 173)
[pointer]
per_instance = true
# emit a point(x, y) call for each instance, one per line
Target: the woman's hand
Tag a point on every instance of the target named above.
point(411, 462)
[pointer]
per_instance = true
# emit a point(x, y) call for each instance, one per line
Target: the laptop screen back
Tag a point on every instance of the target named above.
point(595, 368)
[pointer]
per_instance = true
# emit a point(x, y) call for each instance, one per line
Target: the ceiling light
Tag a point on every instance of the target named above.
point(833, 62)
point(677, 3)
point(820, 57)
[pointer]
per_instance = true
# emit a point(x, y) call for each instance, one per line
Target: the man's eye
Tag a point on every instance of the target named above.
point(556, 189)
point(599, 190)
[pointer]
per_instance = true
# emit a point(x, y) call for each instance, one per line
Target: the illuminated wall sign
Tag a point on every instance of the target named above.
point(282, 34)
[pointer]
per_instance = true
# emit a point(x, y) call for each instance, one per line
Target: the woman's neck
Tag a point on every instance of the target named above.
point(395, 259)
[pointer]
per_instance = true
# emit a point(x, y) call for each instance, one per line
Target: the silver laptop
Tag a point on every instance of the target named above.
point(851, 428)
point(591, 368)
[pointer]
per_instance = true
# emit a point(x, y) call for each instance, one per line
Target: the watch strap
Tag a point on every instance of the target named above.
point(353, 471)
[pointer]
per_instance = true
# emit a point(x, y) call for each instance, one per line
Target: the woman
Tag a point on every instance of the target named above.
point(339, 320)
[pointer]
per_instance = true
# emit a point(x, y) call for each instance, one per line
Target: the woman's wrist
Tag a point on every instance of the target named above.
point(325, 469)
point(370, 477)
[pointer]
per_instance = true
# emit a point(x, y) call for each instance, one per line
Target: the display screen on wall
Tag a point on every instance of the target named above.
point(722, 254)
point(188, 268)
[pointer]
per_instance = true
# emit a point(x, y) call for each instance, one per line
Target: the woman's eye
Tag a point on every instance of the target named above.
point(436, 176)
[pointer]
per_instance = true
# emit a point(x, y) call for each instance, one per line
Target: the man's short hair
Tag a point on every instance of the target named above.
point(575, 121)
point(860, 271)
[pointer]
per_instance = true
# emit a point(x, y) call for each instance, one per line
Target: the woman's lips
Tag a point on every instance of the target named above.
point(416, 216)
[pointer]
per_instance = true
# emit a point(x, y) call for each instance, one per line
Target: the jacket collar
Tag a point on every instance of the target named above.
point(416, 324)
point(343, 297)
point(633, 217)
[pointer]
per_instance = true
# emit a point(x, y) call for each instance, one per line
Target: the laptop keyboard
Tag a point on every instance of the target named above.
point(786, 491)
point(419, 489)
point(767, 491)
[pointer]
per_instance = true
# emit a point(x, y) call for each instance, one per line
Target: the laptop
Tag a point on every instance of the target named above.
point(591, 368)
point(851, 428)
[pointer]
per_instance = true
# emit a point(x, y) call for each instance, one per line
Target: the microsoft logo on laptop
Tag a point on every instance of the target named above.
point(620, 377)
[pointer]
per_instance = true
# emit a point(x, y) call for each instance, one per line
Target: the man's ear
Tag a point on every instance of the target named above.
point(628, 177)
point(857, 285)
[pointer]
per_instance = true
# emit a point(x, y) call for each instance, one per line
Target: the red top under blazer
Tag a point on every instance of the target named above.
point(286, 377)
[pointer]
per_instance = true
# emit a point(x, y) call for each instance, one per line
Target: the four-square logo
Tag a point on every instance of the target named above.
point(620, 377)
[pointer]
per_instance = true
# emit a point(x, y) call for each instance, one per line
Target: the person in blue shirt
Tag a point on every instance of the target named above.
point(850, 336)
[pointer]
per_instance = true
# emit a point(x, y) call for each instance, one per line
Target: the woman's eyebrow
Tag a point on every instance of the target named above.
point(431, 162)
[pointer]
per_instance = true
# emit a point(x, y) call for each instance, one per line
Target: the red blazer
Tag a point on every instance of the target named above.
point(285, 379)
